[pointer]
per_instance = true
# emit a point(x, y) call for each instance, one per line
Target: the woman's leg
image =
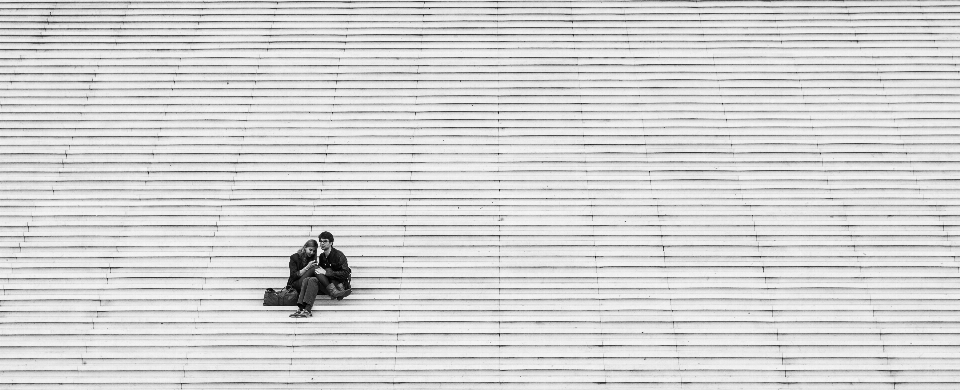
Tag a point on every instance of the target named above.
point(309, 287)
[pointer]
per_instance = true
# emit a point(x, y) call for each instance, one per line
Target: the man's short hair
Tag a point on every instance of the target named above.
point(326, 236)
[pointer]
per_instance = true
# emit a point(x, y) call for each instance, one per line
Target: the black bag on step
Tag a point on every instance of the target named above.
point(286, 297)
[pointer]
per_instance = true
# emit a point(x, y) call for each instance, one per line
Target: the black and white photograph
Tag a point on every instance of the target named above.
point(479, 195)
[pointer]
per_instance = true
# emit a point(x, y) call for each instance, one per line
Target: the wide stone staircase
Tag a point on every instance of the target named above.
point(532, 195)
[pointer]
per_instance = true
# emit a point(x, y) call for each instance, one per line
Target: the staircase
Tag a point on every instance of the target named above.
point(532, 195)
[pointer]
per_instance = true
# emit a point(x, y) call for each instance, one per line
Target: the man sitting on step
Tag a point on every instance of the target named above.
point(333, 270)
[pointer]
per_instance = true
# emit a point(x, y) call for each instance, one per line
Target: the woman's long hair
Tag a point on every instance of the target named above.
point(303, 250)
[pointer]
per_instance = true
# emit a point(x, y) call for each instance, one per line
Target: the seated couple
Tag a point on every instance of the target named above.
point(310, 272)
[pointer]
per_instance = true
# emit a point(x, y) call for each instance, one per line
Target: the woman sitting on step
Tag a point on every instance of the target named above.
point(301, 277)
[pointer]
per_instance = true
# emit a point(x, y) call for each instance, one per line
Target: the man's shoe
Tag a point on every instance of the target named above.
point(298, 314)
point(344, 293)
point(333, 292)
point(306, 314)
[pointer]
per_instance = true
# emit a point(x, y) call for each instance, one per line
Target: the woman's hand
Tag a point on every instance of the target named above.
point(307, 269)
point(320, 271)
